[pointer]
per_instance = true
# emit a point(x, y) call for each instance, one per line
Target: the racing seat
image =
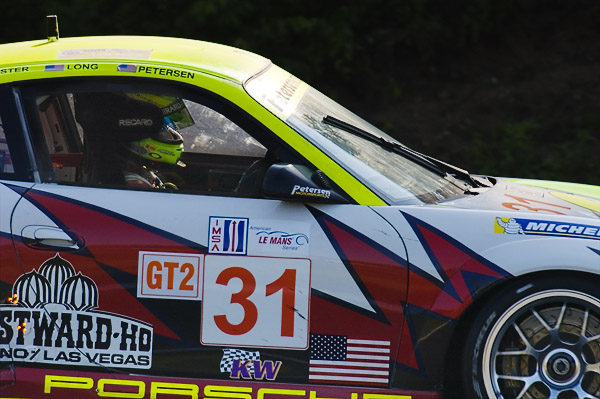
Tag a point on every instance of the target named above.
point(101, 116)
point(250, 184)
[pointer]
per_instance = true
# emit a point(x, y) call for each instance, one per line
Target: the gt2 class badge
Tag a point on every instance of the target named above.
point(169, 275)
point(52, 318)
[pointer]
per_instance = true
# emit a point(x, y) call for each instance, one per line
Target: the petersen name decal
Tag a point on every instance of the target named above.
point(545, 228)
point(52, 319)
point(306, 191)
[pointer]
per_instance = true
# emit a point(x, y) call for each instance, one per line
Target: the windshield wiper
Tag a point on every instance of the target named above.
point(442, 168)
point(382, 142)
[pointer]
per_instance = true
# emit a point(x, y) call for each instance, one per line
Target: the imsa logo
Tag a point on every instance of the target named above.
point(52, 319)
point(228, 235)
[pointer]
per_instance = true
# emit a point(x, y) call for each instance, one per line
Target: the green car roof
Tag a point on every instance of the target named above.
point(228, 62)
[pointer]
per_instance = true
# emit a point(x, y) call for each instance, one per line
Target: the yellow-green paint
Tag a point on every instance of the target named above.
point(227, 62)
point(572, 188)
point(217, 68)
point(584, 202)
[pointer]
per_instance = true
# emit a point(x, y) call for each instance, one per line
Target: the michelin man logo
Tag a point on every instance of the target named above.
point(510, 226)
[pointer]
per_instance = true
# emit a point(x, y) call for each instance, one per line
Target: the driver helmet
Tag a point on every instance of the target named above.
point(164, 145)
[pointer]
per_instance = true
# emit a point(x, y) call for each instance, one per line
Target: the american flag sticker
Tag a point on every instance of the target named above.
point(338, 358)
point(127, 68)
point(228, 235)
point(53, 68)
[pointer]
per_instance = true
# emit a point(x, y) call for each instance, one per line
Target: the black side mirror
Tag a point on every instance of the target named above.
point(300, 183)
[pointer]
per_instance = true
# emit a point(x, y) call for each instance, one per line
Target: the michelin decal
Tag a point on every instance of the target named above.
point(545, 228)
point(52, 318)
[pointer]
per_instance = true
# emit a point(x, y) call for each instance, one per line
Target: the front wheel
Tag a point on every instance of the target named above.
point(539, 339)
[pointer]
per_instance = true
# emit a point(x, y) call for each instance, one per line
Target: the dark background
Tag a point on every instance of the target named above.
point(505, 87)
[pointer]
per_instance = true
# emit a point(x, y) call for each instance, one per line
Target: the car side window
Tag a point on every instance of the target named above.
point(147, 140)
point(6, 165)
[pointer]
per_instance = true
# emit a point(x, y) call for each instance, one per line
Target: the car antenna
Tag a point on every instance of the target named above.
point(52, 28)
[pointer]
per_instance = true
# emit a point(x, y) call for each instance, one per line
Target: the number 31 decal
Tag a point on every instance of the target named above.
point(256, 301)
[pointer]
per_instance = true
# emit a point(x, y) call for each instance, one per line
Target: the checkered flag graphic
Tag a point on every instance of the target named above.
point(229, 355)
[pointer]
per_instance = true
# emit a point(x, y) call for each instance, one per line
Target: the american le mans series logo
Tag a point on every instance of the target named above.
point(545, 227)
point(52, 319)
point(279, 237)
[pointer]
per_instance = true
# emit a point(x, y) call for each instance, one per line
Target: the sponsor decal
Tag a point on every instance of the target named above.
point(307, 191)
point(127, 68)
point(176, 106)
point(52, 318)
point(176, 73)
point(277, 237)
point(142, 387)
point(135, 122)
point(279, 91)
point(509, 226)
point(169, 275)
point(241, 364)
point(13, 70)
point(545, 228)
point(228, 235)
point(341, 358)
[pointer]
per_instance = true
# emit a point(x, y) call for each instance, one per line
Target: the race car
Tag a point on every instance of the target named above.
point(182, 219)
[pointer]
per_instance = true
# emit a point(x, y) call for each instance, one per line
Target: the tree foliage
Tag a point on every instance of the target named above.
point(384, 58)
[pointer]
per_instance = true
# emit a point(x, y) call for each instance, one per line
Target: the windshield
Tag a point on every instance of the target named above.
point(389, 174)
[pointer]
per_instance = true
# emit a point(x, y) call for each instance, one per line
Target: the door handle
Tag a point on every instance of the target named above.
point(47, 237)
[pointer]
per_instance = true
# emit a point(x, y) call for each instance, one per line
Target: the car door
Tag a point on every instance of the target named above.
point(194, 274)
point(15, 179)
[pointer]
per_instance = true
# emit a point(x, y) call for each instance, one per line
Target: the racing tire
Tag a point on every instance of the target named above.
point(536, 339)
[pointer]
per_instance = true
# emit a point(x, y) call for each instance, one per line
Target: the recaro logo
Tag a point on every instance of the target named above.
point(135, 122)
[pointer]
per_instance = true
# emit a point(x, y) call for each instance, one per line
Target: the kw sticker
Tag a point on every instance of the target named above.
point(247, 365)
point(545, 227)
point(52, 319)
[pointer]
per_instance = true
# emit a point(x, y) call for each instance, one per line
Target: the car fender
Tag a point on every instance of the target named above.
point(544, 254)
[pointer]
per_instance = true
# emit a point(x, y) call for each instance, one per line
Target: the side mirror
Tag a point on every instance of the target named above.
point(300, 183)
